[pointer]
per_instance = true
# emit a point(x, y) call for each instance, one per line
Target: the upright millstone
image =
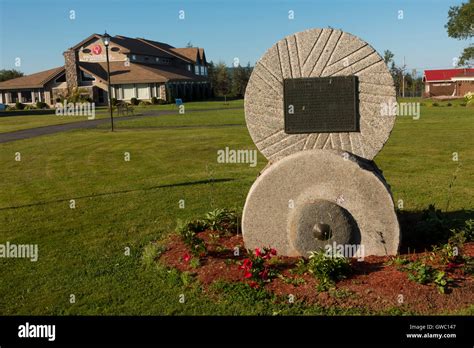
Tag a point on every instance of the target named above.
point(320, 89)
point(317, 106)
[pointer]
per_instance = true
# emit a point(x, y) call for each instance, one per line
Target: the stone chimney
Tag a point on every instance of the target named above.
point(72, 69)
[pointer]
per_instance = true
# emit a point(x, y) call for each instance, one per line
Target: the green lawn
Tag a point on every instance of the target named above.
point(195, 118)
point(123, 204)
point(20, 122)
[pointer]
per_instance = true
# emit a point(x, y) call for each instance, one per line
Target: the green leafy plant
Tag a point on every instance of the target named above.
point(398, 261)
point(222, 220)
point(419, 272)
point(301, 267)
point(441, 281)
point(422, 273)
point(328, 269)
point(188, 232)
point(151, 252)
point(195, 262)
point(214, 238)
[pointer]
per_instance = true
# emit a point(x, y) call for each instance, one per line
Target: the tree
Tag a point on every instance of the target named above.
point(388, 56)
point(461, 26)
point(240, 78)
point(222, 82)
point(9, 74)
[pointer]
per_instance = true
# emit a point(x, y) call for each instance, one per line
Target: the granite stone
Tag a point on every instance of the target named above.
point(296, 200)
point(319, 53)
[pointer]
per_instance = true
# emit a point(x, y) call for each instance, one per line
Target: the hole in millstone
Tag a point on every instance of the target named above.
point(322, 231)
point(321, 223)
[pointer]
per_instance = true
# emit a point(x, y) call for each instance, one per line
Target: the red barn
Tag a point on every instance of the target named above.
point(448, 82)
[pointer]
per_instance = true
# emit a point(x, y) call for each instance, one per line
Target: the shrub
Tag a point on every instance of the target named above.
point(162, 101)
point(188, 231)
point(154, 100)
point(222, 220)
point(328, 269)
point(144, 103)
point(114, 101)
point(449, 104)
point(29, 107)
point(435, 104)
point(134, 101)
point(19, 106)
point(422, 273)
point(41, 105)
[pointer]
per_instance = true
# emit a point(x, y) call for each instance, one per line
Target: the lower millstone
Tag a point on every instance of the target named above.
point(321, 223)
point(317, 198)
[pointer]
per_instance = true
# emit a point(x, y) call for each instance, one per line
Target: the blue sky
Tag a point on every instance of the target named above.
point(39, 31)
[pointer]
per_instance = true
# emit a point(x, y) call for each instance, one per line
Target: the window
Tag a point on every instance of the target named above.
point(26, 97)
point(143, 92)
point(128, 91)
point(189, 67)
point(157, 59)
point(196, 69)
point(134, 57)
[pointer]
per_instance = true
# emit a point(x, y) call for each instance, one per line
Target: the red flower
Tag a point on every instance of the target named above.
point(248, 275)
point(186, 257)
point(258, 252)
point(273, 251)
point(253, 285)
point(246, 265)
point(264, 274)
point(452, 265)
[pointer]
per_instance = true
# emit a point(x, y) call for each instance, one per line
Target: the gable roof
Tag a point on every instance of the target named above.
point(37, 80)
point(167, 48)
point(191, 53)
point(86, 40)
point(445, 74)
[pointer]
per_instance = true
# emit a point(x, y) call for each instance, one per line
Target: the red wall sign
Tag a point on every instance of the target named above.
point(97, 49)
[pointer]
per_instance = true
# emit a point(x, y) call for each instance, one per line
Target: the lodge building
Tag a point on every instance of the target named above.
point(448, 82)
point(139, 68)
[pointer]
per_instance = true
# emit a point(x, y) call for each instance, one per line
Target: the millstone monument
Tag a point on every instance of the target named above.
point(313, 108)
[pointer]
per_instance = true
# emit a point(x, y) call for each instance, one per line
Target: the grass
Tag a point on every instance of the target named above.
point(20, 122)
point(195, 118)
point(123, 204)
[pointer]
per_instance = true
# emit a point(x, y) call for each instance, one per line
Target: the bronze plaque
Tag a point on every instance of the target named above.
point(321, 104)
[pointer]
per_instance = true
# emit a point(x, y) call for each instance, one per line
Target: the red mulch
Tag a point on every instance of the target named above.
point(374, 285)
